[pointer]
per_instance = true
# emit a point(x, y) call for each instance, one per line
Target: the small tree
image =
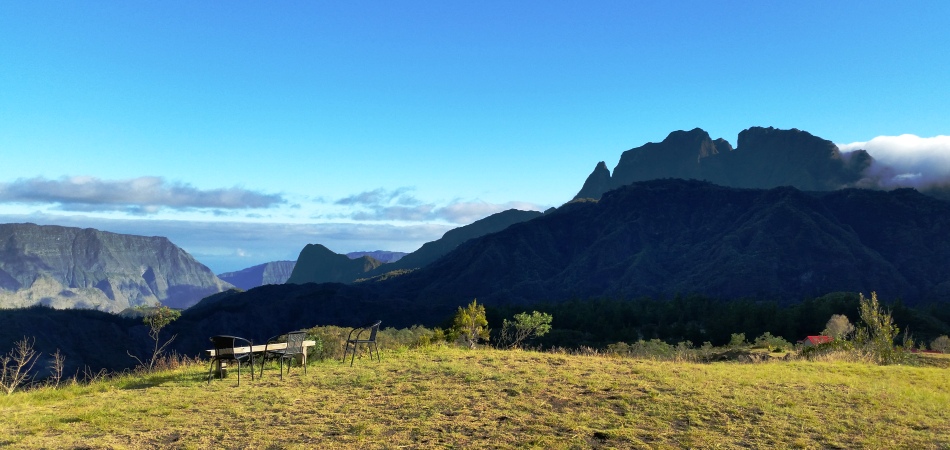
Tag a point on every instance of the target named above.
point(771, 343)
point(838, 327)
point(941, 344)
point(56, 367)
point(16, 365)
point(737, 340)
point(156, 319)
point(471, 324)
point(525, 326)
point(878, 333)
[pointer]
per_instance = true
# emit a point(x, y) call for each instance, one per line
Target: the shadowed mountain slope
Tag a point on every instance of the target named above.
point(431, 251)
point(318, 264)
point(668, 237)
point(66, 267)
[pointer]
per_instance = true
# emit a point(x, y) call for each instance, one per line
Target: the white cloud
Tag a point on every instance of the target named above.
point(380, 197)
point(137, 196)
point(468, 212)
point(400, 206)
point(905, 161)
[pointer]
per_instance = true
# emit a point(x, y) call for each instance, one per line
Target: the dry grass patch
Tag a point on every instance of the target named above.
point(444, 397)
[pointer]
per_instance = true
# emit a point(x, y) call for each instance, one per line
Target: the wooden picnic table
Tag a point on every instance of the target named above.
point(260, 349)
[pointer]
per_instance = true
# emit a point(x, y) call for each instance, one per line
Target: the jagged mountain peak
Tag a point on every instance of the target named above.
point(764, 157)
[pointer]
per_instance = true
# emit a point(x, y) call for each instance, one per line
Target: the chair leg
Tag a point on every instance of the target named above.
point(209, 371)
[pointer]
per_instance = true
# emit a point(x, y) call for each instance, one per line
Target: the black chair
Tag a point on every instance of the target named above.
point(352, 342)
point(226, 349)
point(294, 347)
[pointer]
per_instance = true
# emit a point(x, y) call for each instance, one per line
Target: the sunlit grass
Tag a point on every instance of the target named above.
point(446, 397)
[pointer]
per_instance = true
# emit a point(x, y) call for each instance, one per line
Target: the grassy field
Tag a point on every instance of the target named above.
point(444, 397)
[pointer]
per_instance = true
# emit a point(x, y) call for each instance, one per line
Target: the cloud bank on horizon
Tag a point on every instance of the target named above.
point(233, 228)
point(905, 161)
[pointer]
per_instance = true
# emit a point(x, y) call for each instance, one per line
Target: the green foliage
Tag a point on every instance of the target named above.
point(156, 318)
point(878, 332)
point(827, 348)
point(772, 343)
point(329, 340)
point(655, 349)
point(525, 326)
point(470, 324)
point(941, 344)
point(838, 327)
point(599, 322)
point(738, 340)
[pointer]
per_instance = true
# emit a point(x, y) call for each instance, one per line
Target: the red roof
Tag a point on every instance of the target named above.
point(815, 340)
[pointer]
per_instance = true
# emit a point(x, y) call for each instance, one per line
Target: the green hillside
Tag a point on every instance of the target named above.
point(443, 397)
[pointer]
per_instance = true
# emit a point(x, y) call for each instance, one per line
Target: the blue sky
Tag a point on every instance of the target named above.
point(244, 131)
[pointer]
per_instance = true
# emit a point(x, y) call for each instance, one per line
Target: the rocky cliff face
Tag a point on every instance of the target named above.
point(65, 267)
point(765, 158)
point(274, 272)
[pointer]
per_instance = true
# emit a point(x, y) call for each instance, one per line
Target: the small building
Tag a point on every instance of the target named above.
point(811, 341)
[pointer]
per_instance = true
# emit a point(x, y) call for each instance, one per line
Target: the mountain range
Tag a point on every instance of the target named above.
point(64, 267)
point(656, 239)
point(764, 158)
point(780, 218)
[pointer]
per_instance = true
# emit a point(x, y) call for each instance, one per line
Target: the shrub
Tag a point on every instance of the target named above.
point(525, 326)
point(877, 335)
point(156, 318)
point(329, 342)
point(738, 340)
point(941, 344)
point(772, 343)
point(838, 327)
point(845, 349)
point(470, 324)
point(652, 349)
point(16, 365)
